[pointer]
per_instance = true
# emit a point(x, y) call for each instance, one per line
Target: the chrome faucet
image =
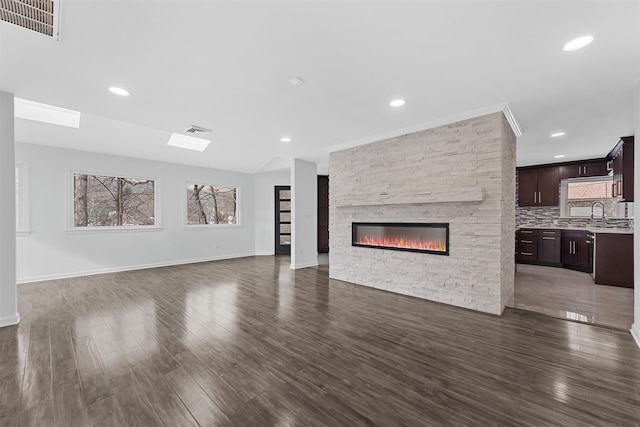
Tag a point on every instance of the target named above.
point(603, 216)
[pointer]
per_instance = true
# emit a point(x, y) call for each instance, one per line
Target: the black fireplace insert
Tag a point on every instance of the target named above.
point(431, 238)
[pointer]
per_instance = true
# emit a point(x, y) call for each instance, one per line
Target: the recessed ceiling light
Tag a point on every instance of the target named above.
point(557, 134)
point(31, 110)
point(578, 43)
point(559, 156)
point(397, 103)
point(119, 91)
point(188, 142)
point(285, 139)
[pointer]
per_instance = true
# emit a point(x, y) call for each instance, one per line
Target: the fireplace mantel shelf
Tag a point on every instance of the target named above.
point(470, 195)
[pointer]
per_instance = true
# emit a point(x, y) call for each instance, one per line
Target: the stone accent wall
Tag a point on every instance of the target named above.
point(463, 174)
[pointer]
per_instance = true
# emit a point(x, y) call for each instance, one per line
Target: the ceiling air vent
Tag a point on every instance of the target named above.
point(195, 130)
point(35, 15)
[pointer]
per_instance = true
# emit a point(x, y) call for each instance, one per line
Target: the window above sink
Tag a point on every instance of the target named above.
point(582, 197)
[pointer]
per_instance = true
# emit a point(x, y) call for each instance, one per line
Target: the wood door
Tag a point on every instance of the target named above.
point(583, 169)
point(569, 171)
point(584, 256)
point(614, 259)
point(627, 170)
point(527, 187)
point(323, 214)
point(598, 168)
point(548, 186)
point(566, 251)
point(283, 219)
point(549, 246)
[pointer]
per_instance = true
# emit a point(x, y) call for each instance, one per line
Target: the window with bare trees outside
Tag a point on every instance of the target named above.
point(211, 204)
point(113, 201)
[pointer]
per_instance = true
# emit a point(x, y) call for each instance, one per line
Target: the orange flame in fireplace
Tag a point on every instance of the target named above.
point(390, 242)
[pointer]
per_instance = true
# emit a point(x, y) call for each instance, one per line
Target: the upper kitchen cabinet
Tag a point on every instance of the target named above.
point(538, 186)
point(622, 161)
point(583, 169)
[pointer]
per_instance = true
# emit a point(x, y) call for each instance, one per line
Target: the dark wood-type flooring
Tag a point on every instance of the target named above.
point(249, 342)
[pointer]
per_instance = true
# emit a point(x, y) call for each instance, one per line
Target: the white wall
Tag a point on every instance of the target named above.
point(52, 251)
point(8, 308)
point(635, 328)
point(264, 184)
point(304, 214)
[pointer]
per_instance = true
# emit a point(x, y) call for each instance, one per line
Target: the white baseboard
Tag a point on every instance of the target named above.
point(128, 268)
point(306, 265)
point(635, 333)
point(10, 321)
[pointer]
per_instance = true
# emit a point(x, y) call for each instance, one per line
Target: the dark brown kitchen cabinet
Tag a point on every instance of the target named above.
point(577, 250)
point(583, 169)
point(614, 259)
point(538, 186)
point(549, 247)
point(623, 168)
point(538, 246)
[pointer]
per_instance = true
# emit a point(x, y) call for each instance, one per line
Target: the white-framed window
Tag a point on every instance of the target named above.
point(210, 205)
point(582, 197)
point(113, 202)
point(22, 199)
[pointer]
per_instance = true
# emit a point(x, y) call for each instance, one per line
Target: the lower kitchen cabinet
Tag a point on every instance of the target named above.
point(614, 259)
point(538, 246)
point(577, 250)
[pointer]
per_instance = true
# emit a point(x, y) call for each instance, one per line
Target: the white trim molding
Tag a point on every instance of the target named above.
point(635, 333)
point(503, 107)
point(128, 268)
point(10, 321)
point(306, 265)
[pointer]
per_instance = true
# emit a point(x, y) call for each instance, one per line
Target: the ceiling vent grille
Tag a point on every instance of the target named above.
point(197, 130)
point(35, 15)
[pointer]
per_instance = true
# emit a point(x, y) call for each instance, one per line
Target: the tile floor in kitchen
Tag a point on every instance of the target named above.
point(569, 294)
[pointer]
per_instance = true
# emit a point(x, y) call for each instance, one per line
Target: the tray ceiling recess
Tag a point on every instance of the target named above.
point(40, 16)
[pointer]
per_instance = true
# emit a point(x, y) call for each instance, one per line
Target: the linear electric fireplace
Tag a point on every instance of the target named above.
point(432, 238)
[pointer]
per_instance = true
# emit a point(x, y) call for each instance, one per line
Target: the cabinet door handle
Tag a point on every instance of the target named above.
point(526, 231)
point(535, 195)
point(526, 241)
point(585, 169)
point(539, 197)
point(613, 190)
point(526, 253)
point(548, 238)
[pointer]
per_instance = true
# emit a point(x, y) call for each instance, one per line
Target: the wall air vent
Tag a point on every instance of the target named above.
point(40, 16)
point(195, 130)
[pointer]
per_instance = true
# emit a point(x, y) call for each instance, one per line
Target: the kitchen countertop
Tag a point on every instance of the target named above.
point(591, 229)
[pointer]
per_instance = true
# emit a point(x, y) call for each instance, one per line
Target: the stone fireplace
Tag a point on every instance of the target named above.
point(461, 174)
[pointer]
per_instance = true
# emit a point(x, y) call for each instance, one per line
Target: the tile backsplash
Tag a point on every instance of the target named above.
point(550, 216)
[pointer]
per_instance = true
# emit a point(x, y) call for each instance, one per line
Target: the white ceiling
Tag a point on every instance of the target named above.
point(224, 65)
